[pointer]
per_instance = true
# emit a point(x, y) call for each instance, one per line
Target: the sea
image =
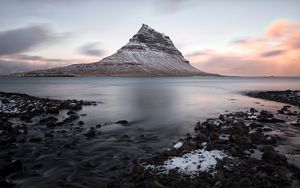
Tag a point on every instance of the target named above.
point(160, 111)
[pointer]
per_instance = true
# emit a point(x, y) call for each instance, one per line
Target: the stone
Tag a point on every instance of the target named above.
point(91, 133)
point(274, 158)
point(71, 112)
point(122, 122)
point(35, 139)
point(80, 123)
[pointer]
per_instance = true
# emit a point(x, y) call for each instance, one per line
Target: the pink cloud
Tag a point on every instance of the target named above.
point(276, 52)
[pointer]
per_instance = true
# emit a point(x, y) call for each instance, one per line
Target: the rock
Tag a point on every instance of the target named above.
point(255, 125)
point(122, 122)
point(91, 133)
point(25, 117)
point(267, 129)
point(35, 139)
point(222, 117)
point(253, 110)
point(4, 101)
point(53, 110)
point(11, 167)
point(71, 112)
point(71, 118)
point(265, 115)
point(245, 182)
point(98, 126)
point(156, 184)
point(6, 184)
point(75, 106)
point(274, 158)
point(80, 123)
point(49, 134)
point(49, 119)
point(88, 164)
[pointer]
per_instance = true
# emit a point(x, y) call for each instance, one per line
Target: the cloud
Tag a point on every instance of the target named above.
point(26, 38)
point(21, 63)
point(91, 49)
point(275, 52)
point(272, 53)
point(171, 6)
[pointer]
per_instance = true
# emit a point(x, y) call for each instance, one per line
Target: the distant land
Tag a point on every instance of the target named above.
point(148, 53)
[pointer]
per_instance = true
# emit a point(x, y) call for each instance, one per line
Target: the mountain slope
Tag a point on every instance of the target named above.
point(148, 53)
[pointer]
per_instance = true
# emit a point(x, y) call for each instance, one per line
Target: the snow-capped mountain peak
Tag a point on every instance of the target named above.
point(148, 53)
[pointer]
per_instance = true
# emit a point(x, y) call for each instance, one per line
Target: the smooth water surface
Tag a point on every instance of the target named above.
point(163, 109)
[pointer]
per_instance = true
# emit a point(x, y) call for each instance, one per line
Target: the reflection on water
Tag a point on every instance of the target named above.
point(160, 109)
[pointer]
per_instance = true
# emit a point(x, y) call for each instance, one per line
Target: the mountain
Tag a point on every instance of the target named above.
point(148, 53)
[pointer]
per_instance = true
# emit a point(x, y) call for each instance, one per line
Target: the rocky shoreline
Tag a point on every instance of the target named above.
point(288, 96)
point(233, 150)
point(249, 156)
point(23, 117)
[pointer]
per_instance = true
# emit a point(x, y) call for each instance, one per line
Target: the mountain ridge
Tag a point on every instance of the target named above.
point(148, 53)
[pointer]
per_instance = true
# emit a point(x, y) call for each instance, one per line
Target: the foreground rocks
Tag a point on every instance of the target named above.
point(22, 120)
point(250, 158)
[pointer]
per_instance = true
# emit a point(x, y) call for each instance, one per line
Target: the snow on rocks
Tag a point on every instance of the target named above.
point(191, 163)
point(178, 145)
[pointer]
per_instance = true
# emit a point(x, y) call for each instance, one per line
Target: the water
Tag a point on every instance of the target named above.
point(163, 109)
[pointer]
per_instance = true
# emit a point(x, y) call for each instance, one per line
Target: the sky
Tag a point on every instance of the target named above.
point(229, 37)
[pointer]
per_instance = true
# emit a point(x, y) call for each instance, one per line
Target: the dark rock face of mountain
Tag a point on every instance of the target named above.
point(153, 40)
point(148, 53)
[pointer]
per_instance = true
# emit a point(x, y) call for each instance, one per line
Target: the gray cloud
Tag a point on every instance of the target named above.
point(21, 63)
point(272, 53)
point(7, 67)
point(25, 38)
point(171, 6)
point(90, 49)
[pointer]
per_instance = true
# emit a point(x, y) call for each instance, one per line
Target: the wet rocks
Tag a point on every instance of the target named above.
point(71, 118)
point(122, 122)
point(71, 112)
point(11, 167)
point(35, 139)
point(240, 140)
point(288, 96)
point(274, 158)
point(22, 105)
point(91, 132)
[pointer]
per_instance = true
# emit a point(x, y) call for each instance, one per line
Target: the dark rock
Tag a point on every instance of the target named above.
point(35, 139)
point(75, 106)
point(6, 184)
point(267, 129)
point(98, 126)
point(5, 101)
point(88, 164)
point(11, 167)
point(222, 117)
point(71, 118)
point(255, 125)
point(265, 115)
point(122, 122)
point(53, 110)
point(71, 112)
point(48, 119)
point(80, 123)
point(91, 133)
point(25, 117)
point(245, 182)
point(49, 134)
point(275, 158)
point(253, 110)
